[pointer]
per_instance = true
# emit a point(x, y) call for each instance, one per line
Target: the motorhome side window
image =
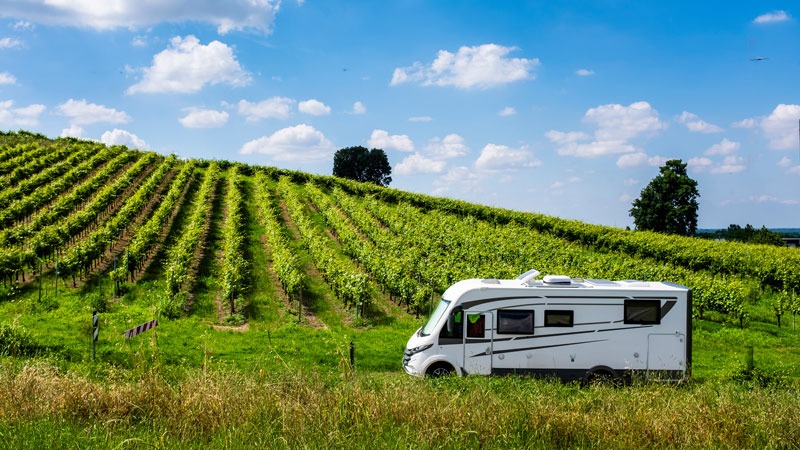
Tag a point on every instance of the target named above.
point(514, 321)
point(553, 318)
point(476, 325)
point(455, 325)
point(643, 312)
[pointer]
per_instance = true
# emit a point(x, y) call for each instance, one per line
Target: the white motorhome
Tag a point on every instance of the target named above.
point(570, 328)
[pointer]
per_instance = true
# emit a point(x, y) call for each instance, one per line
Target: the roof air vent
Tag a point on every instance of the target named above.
point(528, 276)
point(557, 279)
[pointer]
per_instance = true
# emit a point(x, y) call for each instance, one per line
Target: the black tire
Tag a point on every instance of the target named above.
point(601, 376)
point(439, 370)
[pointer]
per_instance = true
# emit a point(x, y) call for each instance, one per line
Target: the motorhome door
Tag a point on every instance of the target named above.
point(666, 352)
point(478, 339)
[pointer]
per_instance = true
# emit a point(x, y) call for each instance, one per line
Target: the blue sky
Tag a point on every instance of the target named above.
point(564, 108)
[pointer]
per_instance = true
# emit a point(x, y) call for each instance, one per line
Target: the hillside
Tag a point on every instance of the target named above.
point(266, 282)
point(242, 258)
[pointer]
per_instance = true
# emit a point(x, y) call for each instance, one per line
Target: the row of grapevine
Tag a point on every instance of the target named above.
point(24, 207)
point(65, 204)
point(80, 258)
point(284, 259)
point(179, 277)
point(45, 242)
point(20, 155)
point(347, 282)
point(9, 155)
point(143, 243)
point(386, 257)
point(56, 236)
point(28, 185)
point(34, 166)
point(235, 267)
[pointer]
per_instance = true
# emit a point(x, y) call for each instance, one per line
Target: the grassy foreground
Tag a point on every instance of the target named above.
point(277, 406)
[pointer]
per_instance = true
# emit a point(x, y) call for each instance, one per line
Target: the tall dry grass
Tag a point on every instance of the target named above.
point(302, 409)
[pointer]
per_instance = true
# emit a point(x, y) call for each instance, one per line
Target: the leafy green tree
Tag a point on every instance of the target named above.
point(360, 164)
point(669, 203)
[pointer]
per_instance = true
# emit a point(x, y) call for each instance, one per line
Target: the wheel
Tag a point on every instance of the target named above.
point(601, 375)
point(439, 370)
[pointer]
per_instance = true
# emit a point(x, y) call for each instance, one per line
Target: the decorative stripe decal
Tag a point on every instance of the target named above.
point(667, 307)
point(536, 348)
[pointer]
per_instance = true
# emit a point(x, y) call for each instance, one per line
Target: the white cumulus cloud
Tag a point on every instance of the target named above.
point(584, 72)
point(451, 146)
point(745, 123)
point(22, 25)
point(203, 118)
point(507, 111)
point(731, 164)
point(81, 112)
point(7, 78)
point(383, 140)
point(122, 137)
point(615, 126)
point(8, 42)
point(459, 180)
point(418, 163)
point(639, 159)
point(700, 163)
point(780, 127)
point(772, 17)
point(419, 119)
point(695, 124)
point(314, 108)
point(73, 131)
point(229, 15)
point(481, 66)
point(725, 147)
point(271, 108)
point(620, 123)
point(300, 143)
point(27, 116)
point(499, 157)
point(187, 66)
point(358, 108)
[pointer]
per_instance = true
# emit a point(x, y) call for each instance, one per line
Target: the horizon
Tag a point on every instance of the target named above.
point(561, 109)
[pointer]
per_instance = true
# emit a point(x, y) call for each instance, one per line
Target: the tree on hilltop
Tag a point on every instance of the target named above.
point(360, 164)
point(669, 203)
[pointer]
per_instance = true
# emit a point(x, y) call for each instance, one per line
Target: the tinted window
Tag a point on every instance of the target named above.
point(514, 322)
point(476, 325)
point(558, 318)
point(643, 312)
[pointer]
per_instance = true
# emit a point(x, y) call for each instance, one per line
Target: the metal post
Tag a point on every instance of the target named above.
point(352, 356)
point(115, 276)
point(95, 333)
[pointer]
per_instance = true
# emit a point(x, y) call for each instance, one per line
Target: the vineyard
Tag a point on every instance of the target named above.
point(298, 258)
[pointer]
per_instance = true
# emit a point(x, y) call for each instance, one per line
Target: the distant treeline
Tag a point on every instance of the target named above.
point(749, 234)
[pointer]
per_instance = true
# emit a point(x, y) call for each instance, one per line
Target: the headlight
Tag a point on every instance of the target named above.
point(415, 350)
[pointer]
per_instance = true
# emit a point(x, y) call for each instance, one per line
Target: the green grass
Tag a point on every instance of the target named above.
point(276, 404)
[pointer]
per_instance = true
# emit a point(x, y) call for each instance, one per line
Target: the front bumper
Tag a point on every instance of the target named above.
point(412, 364)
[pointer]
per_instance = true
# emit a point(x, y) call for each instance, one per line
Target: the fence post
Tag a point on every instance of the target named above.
point(352, 356)
point(95, 333)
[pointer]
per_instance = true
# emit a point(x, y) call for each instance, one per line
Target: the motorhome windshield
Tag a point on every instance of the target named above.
point(437, 314)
